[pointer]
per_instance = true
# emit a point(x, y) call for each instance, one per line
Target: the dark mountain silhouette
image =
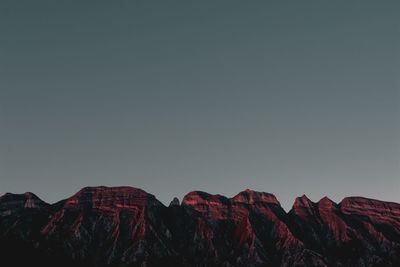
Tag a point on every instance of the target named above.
point(125, 226)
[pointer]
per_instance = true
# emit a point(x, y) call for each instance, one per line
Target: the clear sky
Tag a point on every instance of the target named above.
point(287, 97)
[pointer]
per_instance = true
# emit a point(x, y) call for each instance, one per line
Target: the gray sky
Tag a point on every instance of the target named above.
point(287, 97)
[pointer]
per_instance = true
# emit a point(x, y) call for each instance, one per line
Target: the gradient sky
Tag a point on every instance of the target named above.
point(287, 97)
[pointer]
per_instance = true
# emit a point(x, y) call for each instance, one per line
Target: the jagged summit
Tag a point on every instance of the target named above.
point(302, 202)
point(174, 202)
point(119, 194)
point(326, 202)
point(246, 197)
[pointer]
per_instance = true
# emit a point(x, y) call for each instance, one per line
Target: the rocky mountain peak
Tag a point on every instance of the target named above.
point(27, 200)
point(302, 202)
point(326, 203)
point(174, 202)
point(200, 197)
point(253, 197)
point(110, 197)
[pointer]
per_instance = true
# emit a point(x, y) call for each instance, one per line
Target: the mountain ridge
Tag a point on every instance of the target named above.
point(126, 226)
point(180, 200)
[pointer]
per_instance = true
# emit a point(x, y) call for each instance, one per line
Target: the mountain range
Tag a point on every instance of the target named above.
point(126, 226)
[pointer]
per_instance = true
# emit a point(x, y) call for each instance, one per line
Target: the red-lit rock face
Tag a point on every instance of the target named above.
point(123, 226)
point(321, 217)
point(238, 210)
point(303, 207)
point(220, 207)
point(106, 205)
point(106, 198)
point(111, 219)
point(328, 214)
point(212, 206)
point(254, 198)
point(376, 211)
